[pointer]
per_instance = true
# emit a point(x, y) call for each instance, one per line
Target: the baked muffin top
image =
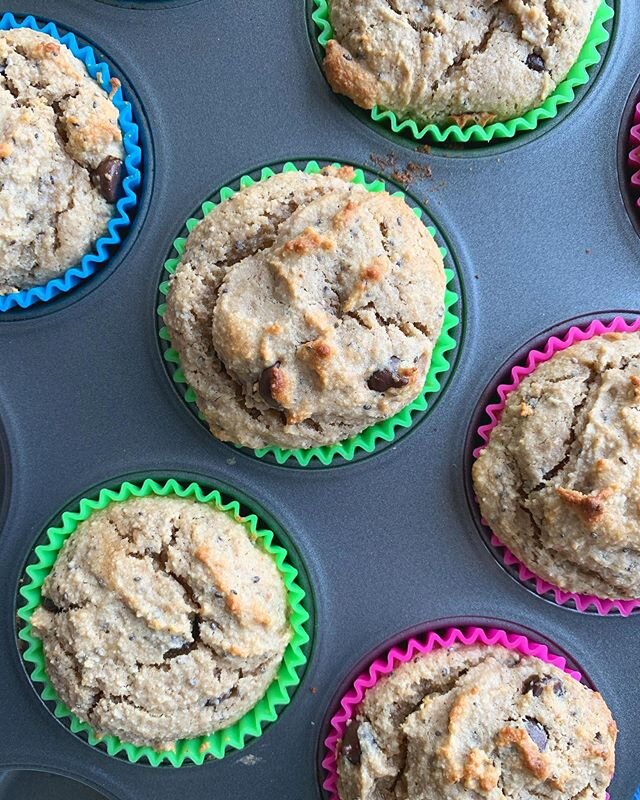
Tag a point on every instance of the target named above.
point(461, 61)
point(306, 309)
point(162, 620)
point(559, 480)
point(477, 722)
point(60, 159)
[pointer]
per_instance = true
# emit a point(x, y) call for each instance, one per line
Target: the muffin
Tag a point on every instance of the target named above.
point(162, 620)
point(61, 159)
point(558, 481)
point(454, 61)
point(305, 309)
point(478, 721)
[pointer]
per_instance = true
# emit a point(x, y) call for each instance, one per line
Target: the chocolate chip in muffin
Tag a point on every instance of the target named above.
point(268, 383)
point(537, 734)
point(536, 62)
point(107, 177)
point(351, 743)
point(388, 377)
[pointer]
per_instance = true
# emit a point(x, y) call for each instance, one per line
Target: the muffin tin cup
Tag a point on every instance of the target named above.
point(197, 749)
point(385, 431)
point(406, 651)
point(634, 158)
point(125, 207)
point(493, 413)
point(564, 93)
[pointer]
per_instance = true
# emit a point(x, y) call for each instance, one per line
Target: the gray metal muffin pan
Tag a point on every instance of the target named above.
point(540, 232)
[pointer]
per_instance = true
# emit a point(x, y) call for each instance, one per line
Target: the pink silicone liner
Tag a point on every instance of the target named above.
point(634, 154)
point(406, 651)
point(494, 411)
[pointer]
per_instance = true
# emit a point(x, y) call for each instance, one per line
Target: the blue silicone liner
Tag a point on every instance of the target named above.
point(121, 220)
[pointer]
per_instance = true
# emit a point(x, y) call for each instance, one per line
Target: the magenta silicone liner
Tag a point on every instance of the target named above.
point(634, 154)
point(582, 602)
point(432, 640)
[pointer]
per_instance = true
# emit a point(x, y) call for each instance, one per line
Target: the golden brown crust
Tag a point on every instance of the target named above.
point(532, 758)
point(347, 77)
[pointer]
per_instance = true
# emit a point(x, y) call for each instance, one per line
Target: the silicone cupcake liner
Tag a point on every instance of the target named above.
point(401, 654)
point(581, 602)
point(563, 94)
point(382, 431)
point(200, 748)
point(634, 155)
point(125, 206)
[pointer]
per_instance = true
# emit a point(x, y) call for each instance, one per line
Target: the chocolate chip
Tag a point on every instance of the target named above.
point(537, 733)
point(48, 605)
point(387, 378)
point(558, 689)
point(107, 177)
point(535, 684)
point(267, 383)
point(536, 62)
point(351, 744)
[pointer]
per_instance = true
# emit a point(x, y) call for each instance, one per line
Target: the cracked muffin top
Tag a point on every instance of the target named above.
point(60, 159)
point(162, 620)
point(460, 61)
point(481, 722)
point(305, 309)
point(559, 482)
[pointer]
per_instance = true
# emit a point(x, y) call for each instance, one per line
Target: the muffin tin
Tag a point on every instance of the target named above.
point(540, 234)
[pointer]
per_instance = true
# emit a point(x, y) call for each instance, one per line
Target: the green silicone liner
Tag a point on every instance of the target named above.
point(381, 431)
point(563, 94)
point(197, 749)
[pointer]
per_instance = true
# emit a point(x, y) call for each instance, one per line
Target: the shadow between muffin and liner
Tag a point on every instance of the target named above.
point(387, 655)
point(628, 156)
point(384, 434)
point(483, 418)
point(131, 208)
point(498, 137)
point(260, 524)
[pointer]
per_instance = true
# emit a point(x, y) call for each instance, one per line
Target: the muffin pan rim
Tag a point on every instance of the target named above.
point(563, 191)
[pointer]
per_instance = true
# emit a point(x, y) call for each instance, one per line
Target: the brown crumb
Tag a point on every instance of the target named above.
point(424, 148)
point(204, 747)
point(313, 690)
point(405, 174)
point(115, 85)
point(635, 382)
